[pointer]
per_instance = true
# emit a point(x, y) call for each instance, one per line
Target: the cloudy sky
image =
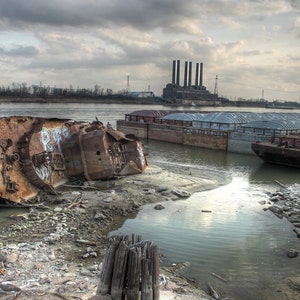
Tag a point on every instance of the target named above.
point(252, 45)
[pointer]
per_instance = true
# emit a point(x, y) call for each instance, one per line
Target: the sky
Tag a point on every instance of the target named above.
point(253, 46)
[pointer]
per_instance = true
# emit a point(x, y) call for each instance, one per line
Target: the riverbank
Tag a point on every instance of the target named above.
point(99, 100)
point(53, 250)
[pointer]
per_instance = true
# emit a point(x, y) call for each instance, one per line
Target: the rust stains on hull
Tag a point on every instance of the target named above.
point(41, 154)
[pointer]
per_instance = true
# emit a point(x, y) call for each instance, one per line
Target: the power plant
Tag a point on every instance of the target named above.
point(188, 93)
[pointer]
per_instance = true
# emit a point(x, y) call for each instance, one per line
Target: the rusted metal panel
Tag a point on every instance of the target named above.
point(38, 153)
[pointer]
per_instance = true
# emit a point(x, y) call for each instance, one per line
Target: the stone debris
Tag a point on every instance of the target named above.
point(286, 204)
point(57, 250)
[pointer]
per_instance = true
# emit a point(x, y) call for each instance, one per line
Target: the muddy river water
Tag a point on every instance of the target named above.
point(235, 238)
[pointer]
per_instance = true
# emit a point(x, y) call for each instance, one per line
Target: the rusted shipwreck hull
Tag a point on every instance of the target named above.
point(41, 154)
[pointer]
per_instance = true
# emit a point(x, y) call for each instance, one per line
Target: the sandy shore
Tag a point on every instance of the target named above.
point(54, 251)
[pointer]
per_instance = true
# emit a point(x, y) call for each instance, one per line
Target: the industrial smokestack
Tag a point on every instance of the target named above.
point(190, 74)
point(185, 73)
point(201, 74)
point(197, 75)
point(173, 71)
point(178, 72)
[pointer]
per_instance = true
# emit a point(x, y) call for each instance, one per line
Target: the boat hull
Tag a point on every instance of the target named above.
point(41, 154)
point(277, 154)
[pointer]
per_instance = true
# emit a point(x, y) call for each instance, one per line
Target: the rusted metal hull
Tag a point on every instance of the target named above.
point(281, 150)
point(40, 154)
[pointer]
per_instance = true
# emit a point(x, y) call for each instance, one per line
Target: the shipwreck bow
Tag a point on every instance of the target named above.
point(41, 154)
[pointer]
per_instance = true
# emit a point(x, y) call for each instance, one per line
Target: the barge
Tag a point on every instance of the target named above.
point(226, 131)
point(41, 154)
point(282, 150)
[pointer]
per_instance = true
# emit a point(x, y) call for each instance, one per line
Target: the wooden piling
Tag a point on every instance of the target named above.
point(104, 286)
point(134, 271)
point(130, 270)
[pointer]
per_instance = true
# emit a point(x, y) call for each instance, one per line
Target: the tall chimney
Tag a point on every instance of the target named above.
point(201, 74)
point(197, 75)
point(173, 71)
point(178, 72)
point(185, 73)
point(190, 74)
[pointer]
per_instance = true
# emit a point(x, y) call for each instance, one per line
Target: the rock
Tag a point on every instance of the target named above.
point(294, 283)
point(44, 279)
point(99, 216)
point(3, 257)
point(159, 207)
point(292, 253)
point(58, 209)
point(297, 231)
point(12, 257)
point(51, 255)
point(86, 255)
point(149, 191)
point(276, 209)
point(262, 202)
point(275, 198)
point(181, 193)
point(294, 218)
point(8, 287)
point(107, 199)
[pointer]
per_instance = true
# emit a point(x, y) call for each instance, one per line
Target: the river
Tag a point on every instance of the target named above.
point(238, 240)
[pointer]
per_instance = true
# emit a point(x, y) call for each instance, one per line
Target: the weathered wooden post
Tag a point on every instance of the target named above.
point(104, 286)
point(155, 271)
point(120, 266)
point(146, 288)
point(134, 273)
point(130, 270)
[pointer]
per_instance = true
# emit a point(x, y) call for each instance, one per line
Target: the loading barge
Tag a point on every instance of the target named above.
point(227, 131)
point(41, 154)
point(282, 150)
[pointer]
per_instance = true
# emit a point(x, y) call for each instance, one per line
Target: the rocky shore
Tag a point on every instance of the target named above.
point(55, 248)
point(285, 203)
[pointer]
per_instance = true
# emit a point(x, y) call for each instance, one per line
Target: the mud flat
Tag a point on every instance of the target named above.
point(55, 248)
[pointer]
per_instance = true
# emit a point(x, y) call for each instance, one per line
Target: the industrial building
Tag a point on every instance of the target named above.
point(189, 93)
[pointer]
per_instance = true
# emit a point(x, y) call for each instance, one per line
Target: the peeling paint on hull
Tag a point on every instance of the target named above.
point(41, 154)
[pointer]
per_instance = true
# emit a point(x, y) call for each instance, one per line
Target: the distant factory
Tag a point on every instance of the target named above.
point(189, 93)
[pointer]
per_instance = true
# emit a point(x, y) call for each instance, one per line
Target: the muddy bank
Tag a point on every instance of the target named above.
point(55, 248)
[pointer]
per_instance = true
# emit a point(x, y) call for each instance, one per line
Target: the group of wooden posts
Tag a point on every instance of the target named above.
point(130, 269)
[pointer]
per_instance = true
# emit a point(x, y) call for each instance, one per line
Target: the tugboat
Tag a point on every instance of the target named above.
point(283, 150)
point(41, 154)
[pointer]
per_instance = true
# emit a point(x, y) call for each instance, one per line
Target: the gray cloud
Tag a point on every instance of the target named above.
point(25, 51)
point(140, 14)
point(144, 15)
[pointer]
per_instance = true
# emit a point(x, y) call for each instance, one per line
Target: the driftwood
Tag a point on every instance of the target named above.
point(280, 184)
point(218, 276)
point(130, 270)
point(213, 292)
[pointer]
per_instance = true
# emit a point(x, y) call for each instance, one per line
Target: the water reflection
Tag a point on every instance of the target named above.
point(269, 173)
point(237, 240)
point(189, 155)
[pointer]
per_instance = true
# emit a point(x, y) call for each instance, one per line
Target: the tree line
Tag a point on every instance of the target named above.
point(24, 90)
